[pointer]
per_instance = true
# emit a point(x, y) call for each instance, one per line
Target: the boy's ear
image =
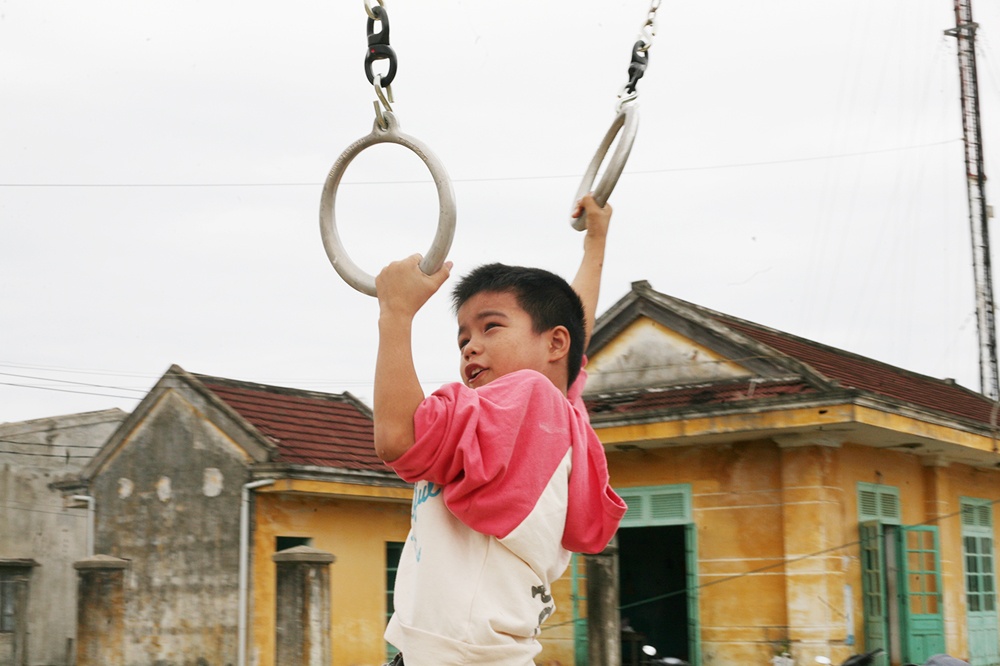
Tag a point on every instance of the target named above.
point(559, 340)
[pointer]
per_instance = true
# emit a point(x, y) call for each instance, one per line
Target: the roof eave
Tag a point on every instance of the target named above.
point(279, 471)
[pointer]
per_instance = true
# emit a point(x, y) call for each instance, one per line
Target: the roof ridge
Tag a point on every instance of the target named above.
point(267, 388)
point(949, 383)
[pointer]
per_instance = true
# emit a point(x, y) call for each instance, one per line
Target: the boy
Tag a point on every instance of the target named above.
point(509, 476)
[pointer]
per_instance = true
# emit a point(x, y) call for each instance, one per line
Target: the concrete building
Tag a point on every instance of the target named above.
point(205, 481)
point(789, 497)
point(40, 536)
point(786, 498)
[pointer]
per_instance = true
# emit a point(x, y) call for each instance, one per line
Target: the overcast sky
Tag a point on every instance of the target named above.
point(798, 164)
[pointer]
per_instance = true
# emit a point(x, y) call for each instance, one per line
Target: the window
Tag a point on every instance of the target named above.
point(14, 575)
point(285, 542)
point(393, 551)
point(977, 540)
point(8, 596)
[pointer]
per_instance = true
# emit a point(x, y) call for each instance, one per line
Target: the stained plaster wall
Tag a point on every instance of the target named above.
point(647, 353)
point(756, 503)
point(36, 525)
point(168, 501)
point(355, 531)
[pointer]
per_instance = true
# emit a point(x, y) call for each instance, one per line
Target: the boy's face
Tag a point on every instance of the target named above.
point(496, 337)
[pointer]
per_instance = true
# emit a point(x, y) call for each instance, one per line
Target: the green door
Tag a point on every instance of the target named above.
point(921, 609)
point(980, 588)
point(694, 628)
point(652, 509)
point(873, 590)
point(581, 652)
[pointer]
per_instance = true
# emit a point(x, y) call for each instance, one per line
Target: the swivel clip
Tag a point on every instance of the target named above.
point(378, 45)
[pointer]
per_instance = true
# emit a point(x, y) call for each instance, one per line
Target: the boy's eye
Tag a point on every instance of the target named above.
point(462, 342)
point(490, 325)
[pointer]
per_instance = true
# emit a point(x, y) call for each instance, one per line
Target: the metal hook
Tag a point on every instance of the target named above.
point(626, 96)
point(385, 97)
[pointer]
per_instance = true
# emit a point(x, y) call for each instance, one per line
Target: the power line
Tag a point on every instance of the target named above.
point(76, 370)
point(777, 565)
point(23, 433)
point(43, 455)
point(67, 381)
point(60, 390)
point(497, 179)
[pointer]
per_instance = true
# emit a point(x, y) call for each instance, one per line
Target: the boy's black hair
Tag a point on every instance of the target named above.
point(547, 298)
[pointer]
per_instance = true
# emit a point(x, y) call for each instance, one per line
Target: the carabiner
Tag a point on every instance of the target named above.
point(640, 59)
point(378, 45)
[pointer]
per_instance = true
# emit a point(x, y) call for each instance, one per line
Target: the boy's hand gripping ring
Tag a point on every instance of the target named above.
point(433, 260)
point(627, 122)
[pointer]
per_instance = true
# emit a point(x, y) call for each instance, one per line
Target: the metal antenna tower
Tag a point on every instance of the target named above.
point(979, 211)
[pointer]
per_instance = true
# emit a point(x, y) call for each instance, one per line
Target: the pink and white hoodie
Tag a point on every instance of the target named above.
point(509, 480)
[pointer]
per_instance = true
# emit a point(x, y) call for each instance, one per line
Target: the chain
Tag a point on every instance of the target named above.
point(649, 27)
point(368, 7)
point(640, 57)
point(379, 49)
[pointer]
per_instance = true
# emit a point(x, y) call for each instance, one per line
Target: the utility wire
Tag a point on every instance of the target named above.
point(780, 564)
point(734, 165)
point(60, 390)
point(67, 381)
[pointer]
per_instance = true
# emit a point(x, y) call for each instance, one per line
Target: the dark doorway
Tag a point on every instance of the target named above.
point(654, 596)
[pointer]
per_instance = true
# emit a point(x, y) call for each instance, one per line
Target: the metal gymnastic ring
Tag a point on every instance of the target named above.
point(432, 261)
point(627, 121)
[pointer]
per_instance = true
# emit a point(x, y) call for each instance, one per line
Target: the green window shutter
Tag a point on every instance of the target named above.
point(879, 503)
point(657, 505)
point(977, 515)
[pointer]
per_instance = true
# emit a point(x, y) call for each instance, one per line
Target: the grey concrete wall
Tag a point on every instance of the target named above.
point(34, 524)
point(100, 624)
point(168, 501)
point(302, 613)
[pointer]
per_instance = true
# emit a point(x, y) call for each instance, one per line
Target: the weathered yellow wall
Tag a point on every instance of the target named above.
point(744, 517)
point(956, 482)
point(736, 503)
point(355, 531)
point(745, 496)
point(557, 632)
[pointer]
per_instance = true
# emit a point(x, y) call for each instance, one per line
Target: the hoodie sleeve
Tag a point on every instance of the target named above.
point(493, 449)
point(595, 510)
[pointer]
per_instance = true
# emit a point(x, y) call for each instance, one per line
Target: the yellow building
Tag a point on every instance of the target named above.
point(788, 497)
point(785, 498)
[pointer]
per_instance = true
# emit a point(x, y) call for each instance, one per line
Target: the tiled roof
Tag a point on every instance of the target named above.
point(307, 427)
point(806, 367)
point(680, 397)
point(859, 372)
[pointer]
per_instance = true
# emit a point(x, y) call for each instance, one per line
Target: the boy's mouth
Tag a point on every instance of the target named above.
point(472, 371)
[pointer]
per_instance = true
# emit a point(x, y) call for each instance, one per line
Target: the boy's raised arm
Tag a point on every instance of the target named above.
point(587, 282)
point(402, 290)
